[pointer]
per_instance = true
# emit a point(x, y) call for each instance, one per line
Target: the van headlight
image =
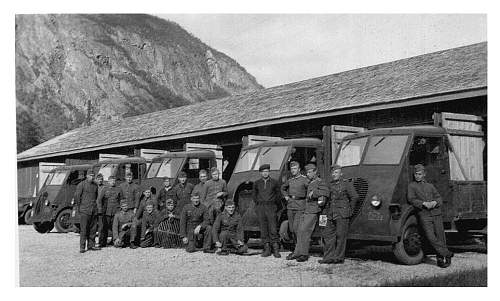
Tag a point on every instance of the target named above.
point(46, 202)
point(72, 202)
point(376, 201)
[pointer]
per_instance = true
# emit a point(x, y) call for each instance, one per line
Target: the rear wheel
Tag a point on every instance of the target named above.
point(27, 217)
point(62, 223)
point(409, 249)
point(43, 227)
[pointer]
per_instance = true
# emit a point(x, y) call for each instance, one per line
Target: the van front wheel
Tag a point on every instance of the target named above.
point(408, 250)
point(62, 221)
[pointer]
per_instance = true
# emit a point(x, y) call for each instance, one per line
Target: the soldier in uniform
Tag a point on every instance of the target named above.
point(228, 231)
point(99, 180)
point(183, 190)
point(200, 187)
point(130, 191)
point(215, 188)
point(108, 204)
point(122, 223)
point(213, 212)
point(294, 191)
point(317, 193)
point(168, 216)
point(136, 225)
point(342, 197)
point(86, 203)
point(193, 226)
point(167, 192)
point(148, 224)
point(266, 195)
point(427, 201)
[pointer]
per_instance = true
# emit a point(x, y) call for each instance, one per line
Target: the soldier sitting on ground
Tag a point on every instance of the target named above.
point(122, 223)
point(136, 225)
point(148, 224)
point(194, 229)
point(166, 230)
point(213, 212)
point(227, 231)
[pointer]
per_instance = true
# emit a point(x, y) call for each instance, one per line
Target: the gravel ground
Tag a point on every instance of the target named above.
point(53, 260)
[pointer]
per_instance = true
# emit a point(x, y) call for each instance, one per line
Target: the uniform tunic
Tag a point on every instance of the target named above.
point(191, 217)
point(148, 222)
point(227, 227)
point(183, 193)
point(213, 187)
point(200, 189)
point(85, 197)
point(108, 200)
point(296, 189)
point(266, 195)
point(132, 193)
point(121, 218)
point(165, 194)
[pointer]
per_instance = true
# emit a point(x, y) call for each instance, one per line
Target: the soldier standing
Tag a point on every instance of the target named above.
point(130, 191)
point(317, 193)
point(266, 195)
point(294, 191)
point(200, 187)
point(342, 197)
point(86, 202)
point(183, 190)
point(167, 192)
point(215, 188)
point(227, 231)
point(108, 204)
point(122, 222)
point(193, 228)
point(427, 201)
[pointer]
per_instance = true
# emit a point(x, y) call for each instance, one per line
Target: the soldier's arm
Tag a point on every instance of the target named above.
point(78, 195)
point(351, 192)
point(436, 197)
point(137, 198)
point(216, 228)
point(100, 196)
point(144, 226)
point(284, 188)
point(183, 221)
point(413, 198)
point(115, 226)
point(254, 192)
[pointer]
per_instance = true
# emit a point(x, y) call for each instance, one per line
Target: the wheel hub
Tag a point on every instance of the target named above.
point(412, 243)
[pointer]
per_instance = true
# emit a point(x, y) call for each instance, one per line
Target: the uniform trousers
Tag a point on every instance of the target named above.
point(306, 227)
point(434, 231)
point(294, 220)
point(105, 226)
point(88, 229)
point(268, 221)
point(203, 238)
point(124, 236)
point(229, 241)
point(335, 236)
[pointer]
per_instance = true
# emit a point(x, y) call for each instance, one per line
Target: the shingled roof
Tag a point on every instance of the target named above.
point(449, 71)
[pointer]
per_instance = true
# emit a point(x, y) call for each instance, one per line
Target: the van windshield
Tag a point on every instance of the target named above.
point(350, 151)
point(167, 168)
point(246, 159)
point(56, 178)
point(271, 155)
point(385, 149)
point(107, 170)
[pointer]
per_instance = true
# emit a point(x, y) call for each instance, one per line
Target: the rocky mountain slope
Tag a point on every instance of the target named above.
point(73, 70)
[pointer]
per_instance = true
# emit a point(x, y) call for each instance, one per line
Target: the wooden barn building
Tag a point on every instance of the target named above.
point(399, 93)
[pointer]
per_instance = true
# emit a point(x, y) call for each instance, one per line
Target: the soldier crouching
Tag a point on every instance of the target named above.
point(228, 231)
point(148, 225)
point(194, 228)
point(122, 223)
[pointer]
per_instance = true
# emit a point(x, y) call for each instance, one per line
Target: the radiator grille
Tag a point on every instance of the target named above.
point(361, 187)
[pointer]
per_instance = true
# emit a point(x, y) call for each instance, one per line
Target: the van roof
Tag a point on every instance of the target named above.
point(190, 154)
point(299, 142)
point(418, 130)
point(73, 167)
point(124, 160)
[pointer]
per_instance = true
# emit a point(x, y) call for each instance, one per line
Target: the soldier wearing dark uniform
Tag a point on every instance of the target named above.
point(200, 187)
point(99, 180)
point(294, 191)
point(193, 226)
point(183, 190)
point(228, 231)
point(86, 203)
point(215, 188)
point(317, 193)
point(266, 195)
point(136, 225)
point(167, 220)
point(148, 224)
point(213, 212)
point(427, 201)
point(342, 197)
point(130, 191)
point(108, 204)
point(122, 222)
point(167, 192)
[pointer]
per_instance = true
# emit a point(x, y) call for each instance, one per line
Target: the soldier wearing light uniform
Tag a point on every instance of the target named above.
point(215, 188)
point(427, 201)
point(227, 231)
point(122, 223)
point(342, 197)
point(294, 191)
point(317, 193)
point(108, 204)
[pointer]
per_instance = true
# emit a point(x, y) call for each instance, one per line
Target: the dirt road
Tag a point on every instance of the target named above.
point(53, 260)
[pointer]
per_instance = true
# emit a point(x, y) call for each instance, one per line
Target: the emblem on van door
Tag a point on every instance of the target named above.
point(375, 216)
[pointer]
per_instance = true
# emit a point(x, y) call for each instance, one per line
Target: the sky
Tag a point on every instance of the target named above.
point(284, 48)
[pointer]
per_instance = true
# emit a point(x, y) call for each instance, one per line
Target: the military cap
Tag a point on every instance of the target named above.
point(335, 167)
point(123, 201)
point(229, 202)
point(128, 173)
point(195, 194)
point(99, 175)
point(182, 174)
point(294, 163)
point(150, 203)
point(419, 167)
point(147, 189)
point(202, 171)
point(264, 167)
point(90, 172)
point(310, 166)
point(169, 201)
point(111, 178)
point(213, 169)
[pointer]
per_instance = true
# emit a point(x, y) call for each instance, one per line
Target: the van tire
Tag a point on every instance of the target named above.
point(408, 250)
point(43, 227)
point(62, 223)
point(27, 217)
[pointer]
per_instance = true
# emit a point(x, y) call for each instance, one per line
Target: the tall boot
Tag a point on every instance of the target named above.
point(267, 250)
point(276, 250)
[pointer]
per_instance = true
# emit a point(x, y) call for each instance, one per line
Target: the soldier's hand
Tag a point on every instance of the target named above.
point(170, 215)
point(185, 240)
point(220, 194)
point(240, 243)
point(218, 244)
point(197, 229)
point(117, 241)
point(135, 210)
point(287, 198)
point(427, 205)
point(434, 204)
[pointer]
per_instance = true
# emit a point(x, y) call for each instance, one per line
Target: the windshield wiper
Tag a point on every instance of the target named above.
point(243, 155)
point(347, 144)
point(264, 153)
point(378, 142)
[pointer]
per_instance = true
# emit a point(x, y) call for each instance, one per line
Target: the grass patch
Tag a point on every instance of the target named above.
point(472, 278)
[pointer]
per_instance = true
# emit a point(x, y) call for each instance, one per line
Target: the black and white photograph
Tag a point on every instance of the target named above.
point(196, 149)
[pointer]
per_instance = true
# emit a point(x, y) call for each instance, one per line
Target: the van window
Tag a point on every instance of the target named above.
point(385, 149)
point(107, 170)
point(75, 177)
point(193, 165)
point(167, 168)
point(272, 155)
point(57, 178)
point(350, 152)
point(246, 159)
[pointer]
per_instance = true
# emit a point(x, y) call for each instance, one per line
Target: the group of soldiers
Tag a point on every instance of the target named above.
point(209, 220)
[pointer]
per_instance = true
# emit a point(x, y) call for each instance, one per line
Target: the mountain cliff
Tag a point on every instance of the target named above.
point(74, 70)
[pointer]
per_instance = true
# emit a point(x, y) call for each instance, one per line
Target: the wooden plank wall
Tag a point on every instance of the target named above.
point(27, 181)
